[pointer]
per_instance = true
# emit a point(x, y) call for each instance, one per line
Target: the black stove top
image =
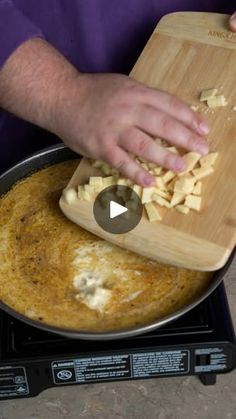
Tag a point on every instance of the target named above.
point(202, 342)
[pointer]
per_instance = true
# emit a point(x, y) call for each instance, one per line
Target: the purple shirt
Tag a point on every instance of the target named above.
point(94, 35)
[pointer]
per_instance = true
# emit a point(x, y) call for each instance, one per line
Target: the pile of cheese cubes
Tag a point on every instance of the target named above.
point(181, 191)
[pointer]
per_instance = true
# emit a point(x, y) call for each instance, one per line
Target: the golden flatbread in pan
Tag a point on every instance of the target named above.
point(53, 271)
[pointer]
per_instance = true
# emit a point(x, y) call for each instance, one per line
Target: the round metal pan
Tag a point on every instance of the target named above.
point(58, 154)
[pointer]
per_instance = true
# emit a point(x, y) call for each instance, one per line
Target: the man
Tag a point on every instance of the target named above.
point(51, 54)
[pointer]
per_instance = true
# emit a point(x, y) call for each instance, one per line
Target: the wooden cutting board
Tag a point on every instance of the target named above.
point(187, 53)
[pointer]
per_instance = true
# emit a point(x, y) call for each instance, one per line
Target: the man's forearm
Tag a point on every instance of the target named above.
point(36, 82)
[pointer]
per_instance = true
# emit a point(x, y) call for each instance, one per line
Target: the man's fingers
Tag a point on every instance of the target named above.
point(123, 162)
point(140, 144)
point(232, 22)
point(175, 107)
point(160, 124)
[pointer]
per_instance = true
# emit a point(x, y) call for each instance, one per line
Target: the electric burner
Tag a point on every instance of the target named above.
point(202, 343)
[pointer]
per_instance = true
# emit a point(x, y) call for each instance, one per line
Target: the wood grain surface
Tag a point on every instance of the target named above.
point(187, 53)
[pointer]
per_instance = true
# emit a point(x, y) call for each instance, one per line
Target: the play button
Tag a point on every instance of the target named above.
point(117, 209)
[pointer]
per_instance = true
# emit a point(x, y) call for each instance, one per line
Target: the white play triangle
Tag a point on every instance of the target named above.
point(116, 209)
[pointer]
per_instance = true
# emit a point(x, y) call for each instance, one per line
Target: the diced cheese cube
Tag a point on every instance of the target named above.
point(89, 189)
point(177, 198)
point(98, 189)
point(106, 169)
point(197, 189)
point(160, 182)
point(109, 181)
point(185, 184)
point(209, 159)
point(162, 193)
point(183, 209)
point(161, 201)
point(169, 175)
point(142, 160)
point(98, 164)
point(83, 194)
point(193, 202)
point(129, 182)
point(69, 195)
point(122, 181)
point(173, 150)
point(191, 159)
point(157, 170)
point(96, 180)
point(171, 184)
point(207, 94)
point(217, 101)
point(202, 172)
point(152, 212)
point(147, 194)
point(151, 166)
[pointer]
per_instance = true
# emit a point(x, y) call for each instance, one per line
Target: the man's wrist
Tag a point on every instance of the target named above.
point(36, 83)
point(68, 103)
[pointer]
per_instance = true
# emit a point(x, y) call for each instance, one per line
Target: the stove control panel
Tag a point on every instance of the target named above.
point(29, 378)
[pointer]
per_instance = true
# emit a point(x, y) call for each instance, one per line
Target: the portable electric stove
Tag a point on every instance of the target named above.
point(202, 343)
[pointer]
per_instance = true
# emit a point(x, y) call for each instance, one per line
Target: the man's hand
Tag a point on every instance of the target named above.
point(232, 22)
point(107, 117)
point(113, 116)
